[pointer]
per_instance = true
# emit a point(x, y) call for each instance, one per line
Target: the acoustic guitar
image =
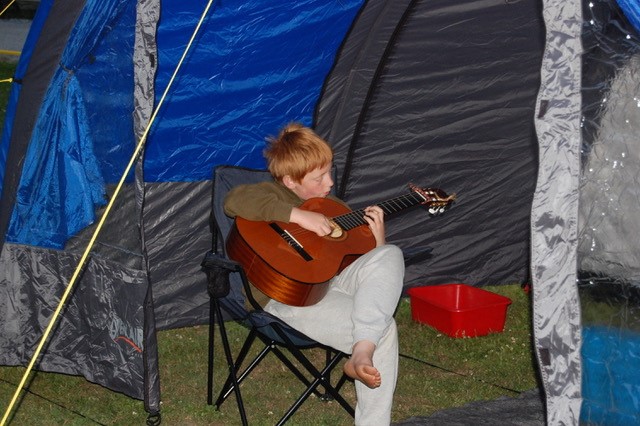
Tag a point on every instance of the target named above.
point(293, 265)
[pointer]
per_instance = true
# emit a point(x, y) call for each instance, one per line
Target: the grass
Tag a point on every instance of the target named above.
point(436, 372)
point(6, 72)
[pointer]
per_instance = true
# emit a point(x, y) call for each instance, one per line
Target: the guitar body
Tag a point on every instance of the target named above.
point(296, 272)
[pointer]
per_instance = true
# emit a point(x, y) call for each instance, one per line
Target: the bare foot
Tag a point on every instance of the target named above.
point(360, 365)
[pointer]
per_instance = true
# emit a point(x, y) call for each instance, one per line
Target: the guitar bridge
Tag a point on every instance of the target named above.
point(285, 235)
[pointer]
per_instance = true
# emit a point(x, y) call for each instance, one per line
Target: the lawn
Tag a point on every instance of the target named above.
point(6, 72)
point(436, 372)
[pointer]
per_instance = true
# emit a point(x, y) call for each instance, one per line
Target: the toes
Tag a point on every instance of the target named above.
point(367, 374)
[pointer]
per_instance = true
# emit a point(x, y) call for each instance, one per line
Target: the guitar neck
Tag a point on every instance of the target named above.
point(355, 218)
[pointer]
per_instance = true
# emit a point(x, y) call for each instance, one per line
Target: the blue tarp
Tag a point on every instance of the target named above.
point(256, 65)
point(611, 380)
point(61, 181)
point(631, 9)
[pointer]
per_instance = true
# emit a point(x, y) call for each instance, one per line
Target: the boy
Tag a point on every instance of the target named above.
point(356, 314)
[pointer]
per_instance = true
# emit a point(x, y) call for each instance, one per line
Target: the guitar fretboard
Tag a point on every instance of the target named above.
point(356, 218)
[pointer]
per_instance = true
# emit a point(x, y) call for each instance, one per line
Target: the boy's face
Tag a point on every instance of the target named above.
point(316, 183)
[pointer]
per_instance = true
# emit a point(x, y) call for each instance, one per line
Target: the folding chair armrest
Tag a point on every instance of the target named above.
point(218, 269)
point(213, 261)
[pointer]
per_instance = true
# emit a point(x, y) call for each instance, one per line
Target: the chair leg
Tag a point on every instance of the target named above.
point(334, 391)
point(321, 378)
point(233, 377)
point(292, 367)
point(229, 385)
point(343, 378)
point(212, 319)
point(341, 382)
point(326, 396)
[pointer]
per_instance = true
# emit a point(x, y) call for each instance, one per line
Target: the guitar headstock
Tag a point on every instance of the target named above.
point(436, 199)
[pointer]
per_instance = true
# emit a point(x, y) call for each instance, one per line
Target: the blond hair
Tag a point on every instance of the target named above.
point(296, 151)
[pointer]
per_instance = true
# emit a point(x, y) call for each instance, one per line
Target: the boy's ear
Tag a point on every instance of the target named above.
point(288, 182)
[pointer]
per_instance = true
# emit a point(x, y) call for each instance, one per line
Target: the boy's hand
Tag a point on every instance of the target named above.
point(312, 221)
point(375, 218)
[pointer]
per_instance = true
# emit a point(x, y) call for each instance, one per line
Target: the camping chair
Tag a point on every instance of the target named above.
point(226, 280)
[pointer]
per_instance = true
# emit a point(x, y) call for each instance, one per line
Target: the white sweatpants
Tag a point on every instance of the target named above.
point(359, 306)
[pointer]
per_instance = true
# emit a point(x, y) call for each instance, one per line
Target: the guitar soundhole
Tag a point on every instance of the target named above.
point(337, 234)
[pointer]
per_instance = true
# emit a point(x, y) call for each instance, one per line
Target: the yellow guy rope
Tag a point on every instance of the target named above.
point(7, 7)
point(102, 220)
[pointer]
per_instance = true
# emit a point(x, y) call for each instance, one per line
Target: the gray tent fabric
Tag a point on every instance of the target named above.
point(525, 410)
point(177, 231)
point(417, 96)
point(144, 54)
point(556, 312)
point(111, 324)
